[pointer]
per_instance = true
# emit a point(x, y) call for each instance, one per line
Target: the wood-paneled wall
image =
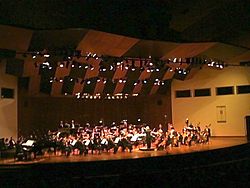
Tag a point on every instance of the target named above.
point(45, 112)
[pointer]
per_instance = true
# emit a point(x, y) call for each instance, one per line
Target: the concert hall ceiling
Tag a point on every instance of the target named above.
point(184, 32)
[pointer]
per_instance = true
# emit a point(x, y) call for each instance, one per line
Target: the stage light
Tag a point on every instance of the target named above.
point(71, 79)
point(88, 82)
point(98, 80)
point(78, 95)
point(139, 120)
point(61, 80)
point(34, 56)
point(46, 55)
point(46, 63)
point(61, 65)
point(65, 94)
point(95, 56)
point(124, 81)
point(120, 81)
point(86, 67)
point(111, 68)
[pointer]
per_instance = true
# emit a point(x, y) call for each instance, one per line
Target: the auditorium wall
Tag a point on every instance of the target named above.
point(45, 112)
point(205, 109)
point(8, 106)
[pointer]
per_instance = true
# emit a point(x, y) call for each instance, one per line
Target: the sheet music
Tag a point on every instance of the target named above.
point(28, 143)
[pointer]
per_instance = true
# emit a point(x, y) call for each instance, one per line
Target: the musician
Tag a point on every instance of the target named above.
point(19, 151)
point(148, 137)
point(61, 124)
point(187, 122)
point(72, 124)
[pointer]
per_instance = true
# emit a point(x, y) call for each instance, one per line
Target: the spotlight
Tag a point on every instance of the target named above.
point(61, 65)
point(46, 55)
point(88, 82)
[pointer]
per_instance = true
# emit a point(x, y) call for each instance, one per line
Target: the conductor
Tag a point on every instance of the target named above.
point(148, 137)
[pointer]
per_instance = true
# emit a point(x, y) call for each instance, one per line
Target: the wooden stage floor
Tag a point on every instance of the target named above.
point(215, 143)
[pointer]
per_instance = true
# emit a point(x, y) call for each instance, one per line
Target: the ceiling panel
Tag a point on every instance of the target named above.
point(106, 43)
point(14, 38)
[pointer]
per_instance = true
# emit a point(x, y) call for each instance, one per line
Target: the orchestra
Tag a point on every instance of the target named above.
point(74, 139)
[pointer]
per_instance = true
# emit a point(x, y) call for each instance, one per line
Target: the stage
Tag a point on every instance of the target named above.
point(215, 143)
point(223, 161)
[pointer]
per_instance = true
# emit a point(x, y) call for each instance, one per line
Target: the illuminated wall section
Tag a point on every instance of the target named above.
point(8, 106)
point(206, 110)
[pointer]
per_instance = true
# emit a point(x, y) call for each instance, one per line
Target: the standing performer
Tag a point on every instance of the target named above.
point(148, 137)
